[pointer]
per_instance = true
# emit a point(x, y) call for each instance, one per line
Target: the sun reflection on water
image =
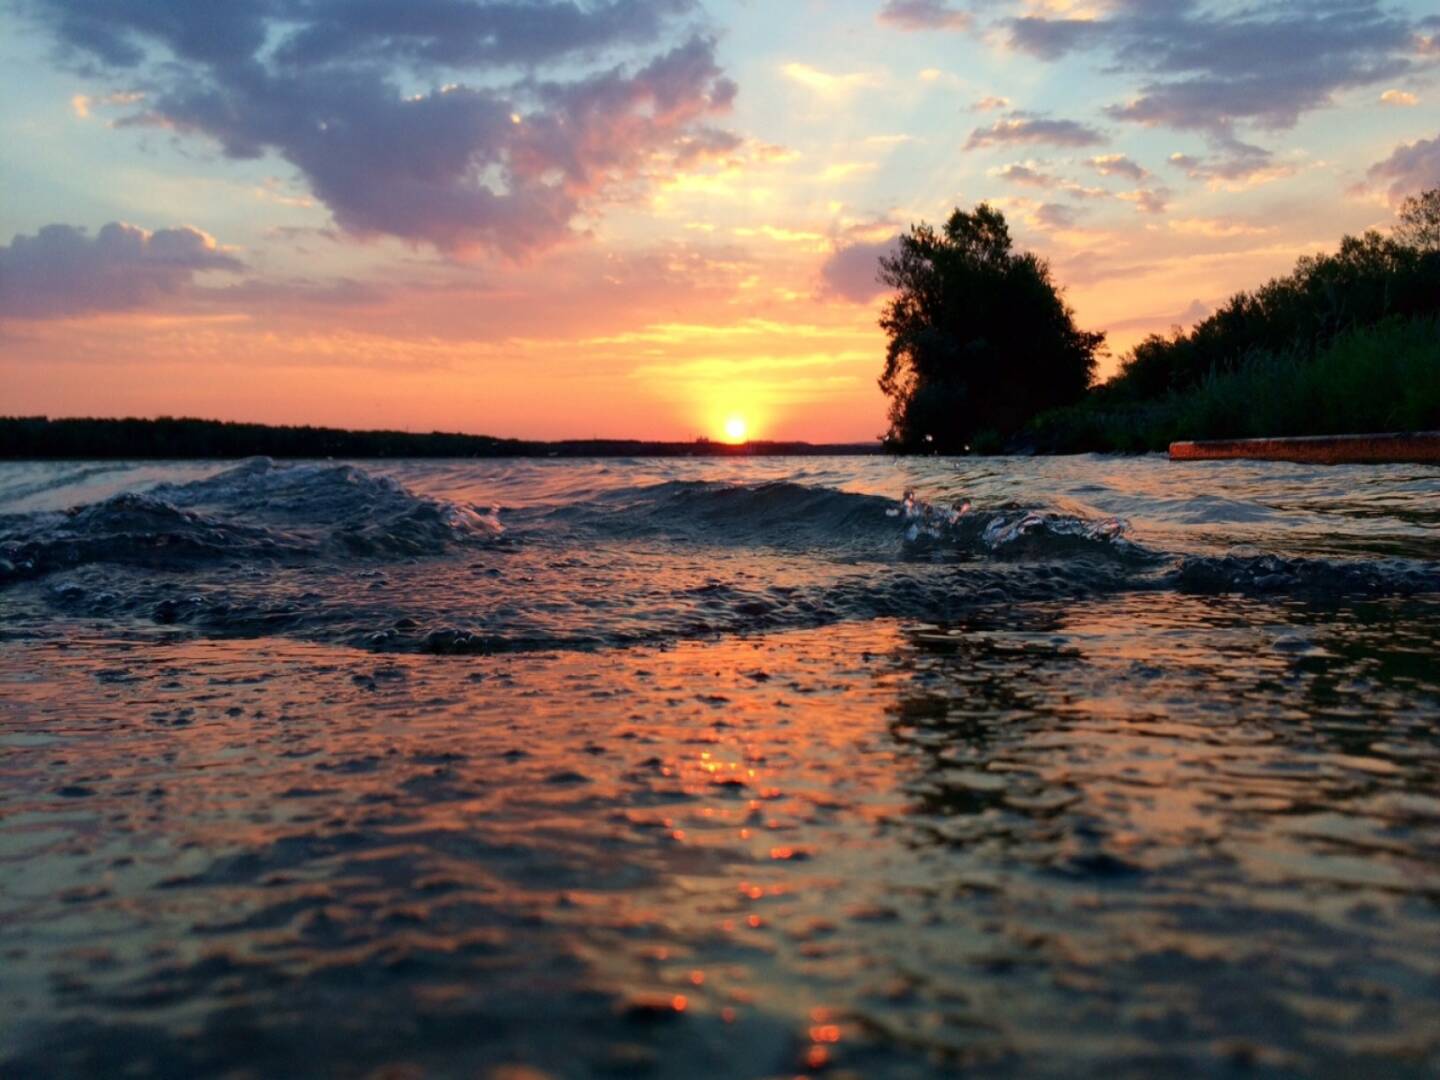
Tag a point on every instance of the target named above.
point(1106, 834)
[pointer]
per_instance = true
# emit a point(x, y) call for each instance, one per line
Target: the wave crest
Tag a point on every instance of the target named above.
point(256, 510)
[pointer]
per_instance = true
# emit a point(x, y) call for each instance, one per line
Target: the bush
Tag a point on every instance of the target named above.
point(1384, 377)
point(1371, 278)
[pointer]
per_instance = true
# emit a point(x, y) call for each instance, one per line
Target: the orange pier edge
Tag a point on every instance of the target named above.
point(1392, 447)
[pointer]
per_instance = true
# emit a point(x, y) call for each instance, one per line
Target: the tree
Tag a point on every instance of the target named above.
point(1419, 225)
point(980, 338)
point(1369, 279)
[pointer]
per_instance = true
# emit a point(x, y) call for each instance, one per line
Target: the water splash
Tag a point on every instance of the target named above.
point(335, 552)
point(255, 512)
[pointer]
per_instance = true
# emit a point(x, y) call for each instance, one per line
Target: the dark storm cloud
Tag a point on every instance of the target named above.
point(62, 271)
point(489, 159)
point(1025, 128)
point(1410, 169)
point(850, 272)
point(1205, 69)
point(923, 15)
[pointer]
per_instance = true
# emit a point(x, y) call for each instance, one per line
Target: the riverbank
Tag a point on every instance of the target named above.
point(1384, 378)
point(40, 438)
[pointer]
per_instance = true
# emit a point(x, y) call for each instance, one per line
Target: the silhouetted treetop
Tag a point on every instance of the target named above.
point(980, 337)
point(1419, 224)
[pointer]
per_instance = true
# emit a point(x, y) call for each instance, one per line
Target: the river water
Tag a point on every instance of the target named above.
point(720, 768)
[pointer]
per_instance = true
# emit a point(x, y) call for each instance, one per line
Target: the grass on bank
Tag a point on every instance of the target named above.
point(1384, 377)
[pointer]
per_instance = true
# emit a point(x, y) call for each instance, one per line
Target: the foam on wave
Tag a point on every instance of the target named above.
point(257, 510)
point(784, 514)
point(337, 553)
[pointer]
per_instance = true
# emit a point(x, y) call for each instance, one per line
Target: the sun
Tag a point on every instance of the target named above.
point(736, 428)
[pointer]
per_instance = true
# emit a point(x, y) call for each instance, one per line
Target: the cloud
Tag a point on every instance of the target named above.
point(294, 294)
point(1410, 169)
point(1402, 98)
point(1204, 68)
point(1033, 174)
point(935, 76)
point(782, 235)
point(1090, 267)
point(824, 83)
point(1117, 165)
point(528, 134)
point(1026, 174)
point(1238, 167)
point(1220, 228)
point(468, 33)
point(850, 271)
point(1196, 311)
point(1025, 128)
point(1428, 44)
point(923, 15)
point(61, 271)
point(1148, 200)
point(83, 105)
point(1050, 39)
point(990, 104)
point(454, 33)
point(843, 170)
point(1055, 216)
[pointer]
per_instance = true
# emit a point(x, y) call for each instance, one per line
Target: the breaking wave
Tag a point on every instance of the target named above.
point(787, 515)
point(257, 511)
point(341, 553)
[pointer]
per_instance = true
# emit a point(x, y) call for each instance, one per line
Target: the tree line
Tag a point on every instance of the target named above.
point(182, 438)
point(984, 352)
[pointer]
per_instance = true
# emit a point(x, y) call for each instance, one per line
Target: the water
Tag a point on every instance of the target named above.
point(698, 768)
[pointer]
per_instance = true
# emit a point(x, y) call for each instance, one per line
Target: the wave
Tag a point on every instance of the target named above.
point(783, 514)
point(1255, 574)
point(22, 487)
point(337, 553)
point(776, 513)
point(256, 511)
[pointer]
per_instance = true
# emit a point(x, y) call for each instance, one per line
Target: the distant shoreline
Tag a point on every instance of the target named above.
point(38, 438)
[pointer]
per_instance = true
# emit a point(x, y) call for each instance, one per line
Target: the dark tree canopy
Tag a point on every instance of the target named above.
point(1371, 278)
point(1419, 224)
point(980, 337)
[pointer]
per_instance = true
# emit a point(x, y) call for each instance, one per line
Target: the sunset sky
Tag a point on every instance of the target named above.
point(644, 217)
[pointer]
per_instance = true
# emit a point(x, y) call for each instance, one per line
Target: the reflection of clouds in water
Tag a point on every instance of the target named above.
point(1090, 835)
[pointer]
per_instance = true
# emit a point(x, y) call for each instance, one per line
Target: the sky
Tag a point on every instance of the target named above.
point(645, 218)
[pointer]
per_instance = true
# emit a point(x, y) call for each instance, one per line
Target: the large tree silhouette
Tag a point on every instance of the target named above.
point(980, 337)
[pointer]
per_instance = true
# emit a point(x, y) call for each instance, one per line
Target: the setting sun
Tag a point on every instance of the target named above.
point(736, 428)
